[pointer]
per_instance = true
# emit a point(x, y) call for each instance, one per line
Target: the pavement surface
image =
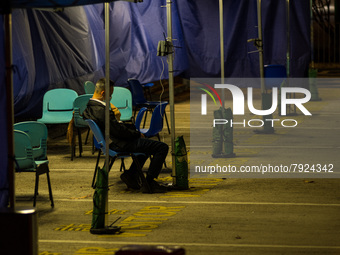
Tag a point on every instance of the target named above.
point(224, 215)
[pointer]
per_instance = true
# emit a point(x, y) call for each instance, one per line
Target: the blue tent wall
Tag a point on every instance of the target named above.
point(65, 49)
point(200, 23)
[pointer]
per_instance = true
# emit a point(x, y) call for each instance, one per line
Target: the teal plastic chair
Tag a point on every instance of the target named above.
point(58, 106)
point(79, 105)
point(37, 132)
point(122, 99)
point(89, 87)
point(25, 162)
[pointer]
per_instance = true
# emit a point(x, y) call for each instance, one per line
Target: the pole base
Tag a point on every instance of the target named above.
point(105, 231)
point(224, 155)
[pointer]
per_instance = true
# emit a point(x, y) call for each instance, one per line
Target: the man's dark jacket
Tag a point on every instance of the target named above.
point(120, 134)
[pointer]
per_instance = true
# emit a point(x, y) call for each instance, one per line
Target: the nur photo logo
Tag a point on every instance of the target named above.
point(280, 100)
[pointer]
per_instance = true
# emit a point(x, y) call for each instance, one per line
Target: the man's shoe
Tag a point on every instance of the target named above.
point(155, 187)
point(130, 181)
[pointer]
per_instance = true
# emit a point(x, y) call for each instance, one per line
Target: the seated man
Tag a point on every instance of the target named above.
point(126, 138)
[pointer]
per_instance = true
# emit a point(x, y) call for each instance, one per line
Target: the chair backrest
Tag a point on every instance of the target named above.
point(274, 75)
point(79, 106)
point(156, 123)
point(37, 132)
point(137, 92)
point(23, 152)
point(122, 99)
point(58, 106)
point(97, 134)
point(89, 87)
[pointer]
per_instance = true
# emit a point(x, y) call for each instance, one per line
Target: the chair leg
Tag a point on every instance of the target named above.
point(87, 136)
point(111, 163)
point(167, 123)
point(122, 165)
point(95, 170)
point(50, 188)
point(43, 169)
point(92, 144)
point(73, 148)
point(146, 115)
point(80, 142)
point(36, 188)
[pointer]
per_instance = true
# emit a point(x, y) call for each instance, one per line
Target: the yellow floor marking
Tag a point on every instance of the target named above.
point(96, 251)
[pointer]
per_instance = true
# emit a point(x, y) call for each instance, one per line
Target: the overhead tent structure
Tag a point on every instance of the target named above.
point(64, 49)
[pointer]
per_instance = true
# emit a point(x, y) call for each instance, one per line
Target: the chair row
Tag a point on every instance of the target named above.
point(64, 106)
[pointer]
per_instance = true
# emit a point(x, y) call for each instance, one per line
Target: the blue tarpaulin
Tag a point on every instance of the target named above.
point(64, 49)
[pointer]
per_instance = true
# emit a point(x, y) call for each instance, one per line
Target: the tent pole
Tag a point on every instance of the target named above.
point(259, 26)
point(265, 97)
point(288, 39)
point(10, 109)
point(222, 49)
point(171, 86)
point(312, 34)
point(107, 94)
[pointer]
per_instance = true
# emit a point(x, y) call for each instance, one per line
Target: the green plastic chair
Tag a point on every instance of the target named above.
point(37, 132)
point(79, 106)
point(25, 162)
point(122, 99)
point(89, 87)
point(58, 106)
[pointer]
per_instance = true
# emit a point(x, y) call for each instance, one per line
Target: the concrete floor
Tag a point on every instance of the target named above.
point(216, 215)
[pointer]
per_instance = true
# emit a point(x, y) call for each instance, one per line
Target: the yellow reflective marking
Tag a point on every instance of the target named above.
point(49, 253)
point(110, 212)
point(96, 251)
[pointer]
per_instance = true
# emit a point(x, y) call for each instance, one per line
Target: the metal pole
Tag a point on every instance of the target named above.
point(222, 49)
point(260, 40)
point(312, 33)
point(10, 109)
point(171, 85)
point(107, 94)
point(288, 39)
